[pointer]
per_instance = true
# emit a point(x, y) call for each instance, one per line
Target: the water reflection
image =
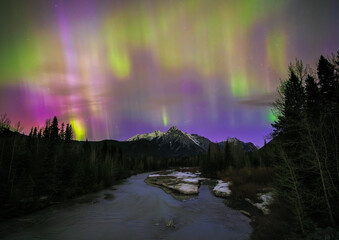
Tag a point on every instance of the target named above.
point(134, 210)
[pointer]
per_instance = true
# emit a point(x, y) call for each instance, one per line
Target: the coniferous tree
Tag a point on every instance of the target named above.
point(47, 130)
point(329, 131)
point(327, 82)
point(290, 105)
point(35, 132)
point(228, 158)
point(54, 129)
point(312, 99)
point(39, 133)
point(336, 100)
point(62, 132)
point(69, 132)
point(289, 127)
point(31, 133)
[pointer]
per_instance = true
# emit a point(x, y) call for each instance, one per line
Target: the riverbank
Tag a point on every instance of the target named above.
point(27, 206)
point(249, 185)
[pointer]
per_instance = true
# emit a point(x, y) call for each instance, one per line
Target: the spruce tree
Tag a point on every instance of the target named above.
point(54, 129)
point(290, 105)
point(40, 134)
point(69, 132)
point(47, 130)
point(228, 158)
point(35, 132)
point(336, 90)
point(327, 83)
point(62, 132)
point(312, 99)
point(288, 131)
point(31, 133)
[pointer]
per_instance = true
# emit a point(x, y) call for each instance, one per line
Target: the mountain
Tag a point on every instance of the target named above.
point(248, 146)
point(175, 142)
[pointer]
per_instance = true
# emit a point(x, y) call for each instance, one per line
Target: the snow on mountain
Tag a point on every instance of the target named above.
point(193, 139)
point(201, 141)
point(147, 136)
point(175, 142)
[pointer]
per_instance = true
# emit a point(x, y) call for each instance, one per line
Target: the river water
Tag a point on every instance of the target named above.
point(136, 211)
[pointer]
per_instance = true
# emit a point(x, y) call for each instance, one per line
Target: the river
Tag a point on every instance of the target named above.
point(133, 210)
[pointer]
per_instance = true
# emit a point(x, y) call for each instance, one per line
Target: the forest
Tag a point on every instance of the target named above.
point(305, 139)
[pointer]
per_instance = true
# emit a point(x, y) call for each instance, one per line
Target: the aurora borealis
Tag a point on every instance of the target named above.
point(116, 68)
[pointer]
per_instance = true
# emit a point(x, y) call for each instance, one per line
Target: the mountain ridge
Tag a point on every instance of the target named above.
point(175, 142)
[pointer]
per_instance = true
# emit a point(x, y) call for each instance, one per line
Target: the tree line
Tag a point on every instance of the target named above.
point(306, 144)
point(230, 155)
point(52, 131)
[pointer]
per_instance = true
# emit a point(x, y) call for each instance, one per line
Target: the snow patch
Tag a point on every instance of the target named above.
point(154, 175)
point(222, 189)
point(192, 180)
point(183, 175)
point(267, 199)
point(193, 139)
point(186, 188)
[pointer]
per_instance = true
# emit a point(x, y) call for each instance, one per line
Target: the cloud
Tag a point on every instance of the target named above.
point(265, 100)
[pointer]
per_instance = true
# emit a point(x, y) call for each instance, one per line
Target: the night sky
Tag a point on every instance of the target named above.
point(116, 68)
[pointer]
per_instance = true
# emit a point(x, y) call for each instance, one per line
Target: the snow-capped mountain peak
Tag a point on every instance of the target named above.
point(175, 142)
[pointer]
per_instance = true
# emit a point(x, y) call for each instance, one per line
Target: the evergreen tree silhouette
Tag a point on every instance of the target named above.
point(47, 130)
point(292, 105)
point(31, 133)
point(62, 131)
point(312, 99)
point(327, 83)
point(40, 134)
point(35, 132)
point(228, 158)
point(69, 132)
point(54, 129)
point(289, 128)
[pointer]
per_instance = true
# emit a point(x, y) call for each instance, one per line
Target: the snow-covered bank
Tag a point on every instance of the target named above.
point(222, 189)
point(266, 199)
